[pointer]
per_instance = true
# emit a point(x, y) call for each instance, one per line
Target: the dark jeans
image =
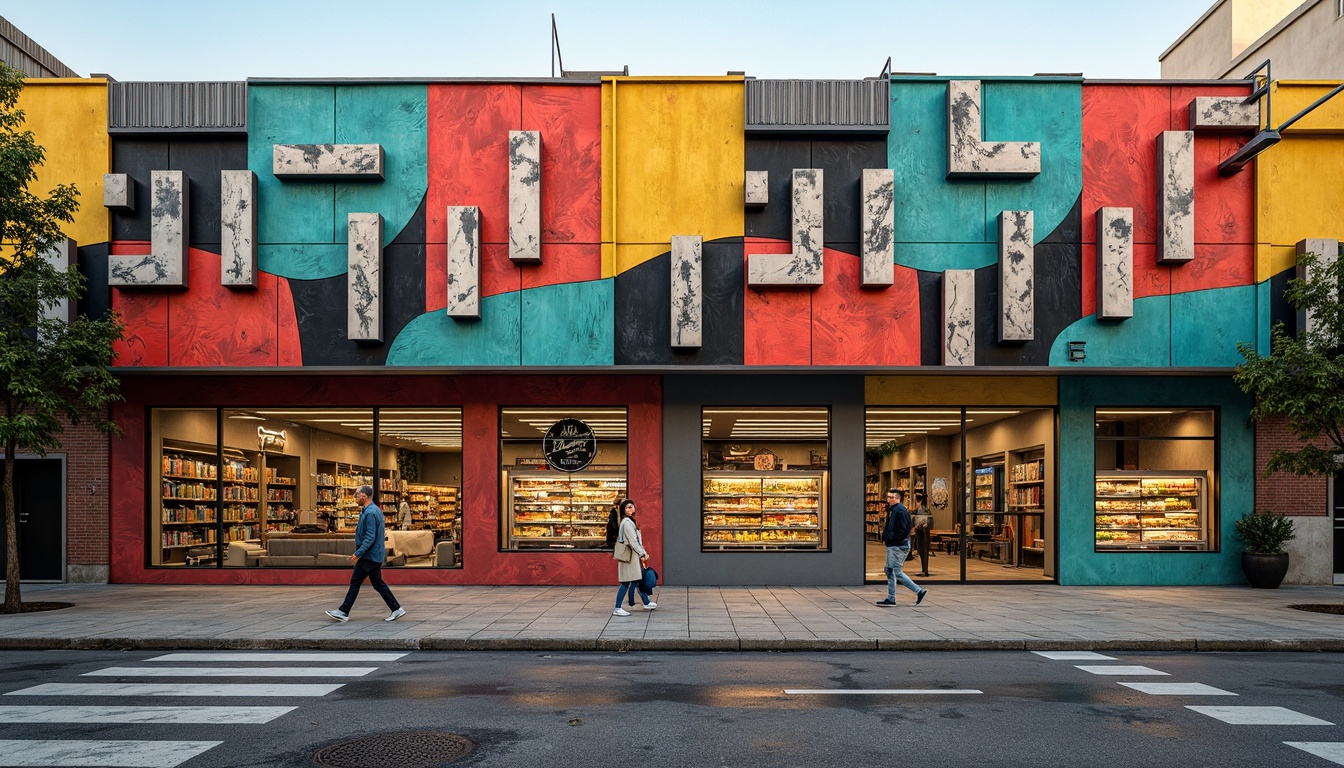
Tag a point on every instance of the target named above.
point(368, 569)
point(922, 543)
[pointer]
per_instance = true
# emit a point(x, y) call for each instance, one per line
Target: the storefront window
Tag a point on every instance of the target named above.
point(1155, 480)
point(766, 475)
point(184, 468)
point(422, 490)
point(557, 492)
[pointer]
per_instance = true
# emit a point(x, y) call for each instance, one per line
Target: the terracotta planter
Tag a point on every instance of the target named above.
point(1264, 571)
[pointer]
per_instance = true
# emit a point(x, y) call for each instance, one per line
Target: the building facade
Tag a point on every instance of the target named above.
point(1304, 40)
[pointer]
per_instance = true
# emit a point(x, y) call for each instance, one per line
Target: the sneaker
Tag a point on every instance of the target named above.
point(337, 615)
point(650, 606)
point(620, 612)
point(923, 593)
point(397, 614)
point(887, 602)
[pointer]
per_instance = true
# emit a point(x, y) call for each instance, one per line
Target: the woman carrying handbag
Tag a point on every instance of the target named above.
point(630, 558)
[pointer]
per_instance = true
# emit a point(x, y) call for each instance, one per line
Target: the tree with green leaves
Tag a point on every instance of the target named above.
point(50, 367)
point(1302, 379)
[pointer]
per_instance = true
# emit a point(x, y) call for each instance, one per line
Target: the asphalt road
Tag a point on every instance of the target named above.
point(680, 709)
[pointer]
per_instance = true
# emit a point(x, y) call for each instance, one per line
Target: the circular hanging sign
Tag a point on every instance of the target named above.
point(569, 445)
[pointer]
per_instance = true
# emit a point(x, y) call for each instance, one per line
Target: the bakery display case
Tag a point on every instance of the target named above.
point(1152, 510)
point(548, 510)
point(764, 511)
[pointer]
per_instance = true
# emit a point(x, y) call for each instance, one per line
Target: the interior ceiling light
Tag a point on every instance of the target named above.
point(247, 416)
point(1133, 413)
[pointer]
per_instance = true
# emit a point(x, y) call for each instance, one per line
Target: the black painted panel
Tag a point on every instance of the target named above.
point(202, 161)
point(1280, 311)
point(643, 310)
point(779, 157)
point(1058, 284)
point(930, 318)
point(138, 158)
point(97, 299)
point(843, 162)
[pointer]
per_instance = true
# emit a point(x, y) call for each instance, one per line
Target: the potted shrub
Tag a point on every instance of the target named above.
point(1263, 560)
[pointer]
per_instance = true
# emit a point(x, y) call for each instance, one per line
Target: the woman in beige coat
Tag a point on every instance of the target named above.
point(630, 574)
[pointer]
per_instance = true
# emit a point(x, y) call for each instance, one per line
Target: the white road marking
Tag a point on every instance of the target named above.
point(174, 715)
point(881, 691)
point(1073, 656)
point(181, 689)
point(1178, 689)
point(1258, 715)
point(1329, 750)
point(117, 754)
point(263, 656)
point(1120, 670)
point(231, 672)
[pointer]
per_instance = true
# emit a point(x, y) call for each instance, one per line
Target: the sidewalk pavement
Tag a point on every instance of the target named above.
point(954, 617)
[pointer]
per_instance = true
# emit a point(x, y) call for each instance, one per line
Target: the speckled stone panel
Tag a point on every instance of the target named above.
point(327, 162)
point(464, 261)
point(877, 188)
point(968, 157)
point(61, 256)
point(119, 192)
point(1223, 113)
point(525, 196)
point(166, 264)
point(1176, 196)
point(238, 229)
point(687, 291)
point(803, 265)
point(959, 317)
point(364, 278)
point(1017, 278)
point(1328, 250)
point(757, 189)
point(1115, 263)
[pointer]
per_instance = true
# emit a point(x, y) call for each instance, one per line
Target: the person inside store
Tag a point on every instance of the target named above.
point(896, 535)
point(404, 516)
point(370, 552)
point(629, 544)
point(1006, 547)
point(923, 520)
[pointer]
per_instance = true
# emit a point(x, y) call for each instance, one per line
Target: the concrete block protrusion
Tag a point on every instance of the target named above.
point(968, 155)
point(238, 229)
point(1328, 251)
point(757, 189)
point(1223, 113)
point(687, 291)
point(877, 188)
point(958, 317)
point(464, 261)
point(1115, 263)
point(327, 162)
point(525, 196)
point(166, 264)
point(364, 277)
point(119, 192)
point(1017, 276)
point(1176, 196)
point(802, 267)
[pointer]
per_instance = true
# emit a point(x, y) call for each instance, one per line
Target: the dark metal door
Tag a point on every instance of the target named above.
point(1337, 512)
point(37, 494)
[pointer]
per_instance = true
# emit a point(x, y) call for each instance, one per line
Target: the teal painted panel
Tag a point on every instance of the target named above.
point(570, 324)
point(1140, 341)
point(1048, 113)
point(290, 212)
point(1079, 562)
point(394, 116)
point(1210, 323)
point(435, 339)
point(936, 257)
point(303, 262)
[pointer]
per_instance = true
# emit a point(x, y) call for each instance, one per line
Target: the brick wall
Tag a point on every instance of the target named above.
point(87, 507)
point(1285, 492)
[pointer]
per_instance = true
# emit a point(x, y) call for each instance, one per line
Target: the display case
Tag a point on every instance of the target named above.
point(433, 508)
point(874, 510)
point(986, 489)
point(549, 510)
point(1149, 510)
point(754, 510)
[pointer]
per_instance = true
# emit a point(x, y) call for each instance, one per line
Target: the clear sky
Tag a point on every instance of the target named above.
point(211, 40)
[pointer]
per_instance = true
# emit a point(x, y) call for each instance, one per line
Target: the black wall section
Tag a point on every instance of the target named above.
point(202, 160)
point(643, 310)
point(137, 158)
point(778, 157)
point(1280, 311)
point(930, 318)
point(97, 299)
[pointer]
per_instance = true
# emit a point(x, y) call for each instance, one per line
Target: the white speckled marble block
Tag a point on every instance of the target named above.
point(119, 192)
point(1328, 250)
point(464, 261)
point(803, 266)
point(968, 156)
point(757, 185)
point(62, 256)
point(327, 162)
point(525, 196)
point(238, 229)
point(166, 264)
point(1176, 196)
point(1017, 276)
point(687, 291)
point(364, 278)
point(877, 187)
point(959, 317)
point(1224, 113)
point(1115, 263)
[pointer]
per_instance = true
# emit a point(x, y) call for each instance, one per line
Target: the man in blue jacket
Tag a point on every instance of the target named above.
point(896, 535)
point(370, 552)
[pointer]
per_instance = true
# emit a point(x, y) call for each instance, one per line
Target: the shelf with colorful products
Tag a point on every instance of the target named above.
point(874, 510)
point(337, 499)
point(433, 508)
point(1026, 482)
point(281, 492)
point(1148, 510)
point(760, 510)
point(986, 491)
point(549, 510)
point(188, 500)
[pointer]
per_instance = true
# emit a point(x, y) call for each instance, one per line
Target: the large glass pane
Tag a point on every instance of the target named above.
point(1011, 510)
point(183, 525)
point(421, 479)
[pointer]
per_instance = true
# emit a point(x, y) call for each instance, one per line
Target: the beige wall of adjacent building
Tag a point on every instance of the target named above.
point(1304, 40)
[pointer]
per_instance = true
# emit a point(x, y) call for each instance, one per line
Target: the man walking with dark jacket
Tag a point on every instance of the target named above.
point(896, 535)
point(370, 552)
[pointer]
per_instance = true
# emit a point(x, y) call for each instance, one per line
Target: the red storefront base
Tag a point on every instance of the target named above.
point(480, 398)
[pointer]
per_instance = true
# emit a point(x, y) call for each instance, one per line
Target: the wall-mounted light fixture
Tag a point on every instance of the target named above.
point(1077, 351)
point(1269, 136)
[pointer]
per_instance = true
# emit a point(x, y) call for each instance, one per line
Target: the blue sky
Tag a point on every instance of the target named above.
point(209, 40)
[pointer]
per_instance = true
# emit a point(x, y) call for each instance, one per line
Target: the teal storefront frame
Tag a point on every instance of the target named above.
point(1079, 563)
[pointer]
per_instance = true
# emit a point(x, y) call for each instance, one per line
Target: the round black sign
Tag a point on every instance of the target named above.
point(569, 445)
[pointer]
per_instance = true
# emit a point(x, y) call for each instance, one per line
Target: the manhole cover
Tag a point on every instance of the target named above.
point(408, 749)
point(1335, 608)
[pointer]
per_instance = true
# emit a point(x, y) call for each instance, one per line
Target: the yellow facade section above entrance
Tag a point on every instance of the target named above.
point(961, 390)
point(68, 117)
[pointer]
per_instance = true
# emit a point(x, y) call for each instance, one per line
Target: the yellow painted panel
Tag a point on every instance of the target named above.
point(672, 162)
point(1293, 96)
point(1296, 193)
point(1270, 260)
point(961, 390)
point(68, 117)
point(631, 256)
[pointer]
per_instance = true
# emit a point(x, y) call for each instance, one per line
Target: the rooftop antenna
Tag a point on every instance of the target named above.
point(555, 49)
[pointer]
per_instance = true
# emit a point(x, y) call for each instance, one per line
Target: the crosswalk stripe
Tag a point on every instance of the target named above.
point(1178, 689)
point(1258, 715)
point(172, 715)
point(1329, 750)
point(262, 656)
point(177, 689)
point(112, 754)
point(1073, 656)
point(881, 691)
point(231, 672)
point(1120, 669)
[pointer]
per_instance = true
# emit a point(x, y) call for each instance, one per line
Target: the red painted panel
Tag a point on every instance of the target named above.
point(210, 325)
point(290, 347)
point(1089, 281)
point(1150, 278)
point(469, 154)
point(1120, 129)
point(1224, 205)
point(570, 121)
point(1215, 266)
point(563, 264)
point(864, 326)
point(777, 322)
point(144, 312)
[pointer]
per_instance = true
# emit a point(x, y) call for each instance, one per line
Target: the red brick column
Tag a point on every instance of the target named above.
point(1285, 492)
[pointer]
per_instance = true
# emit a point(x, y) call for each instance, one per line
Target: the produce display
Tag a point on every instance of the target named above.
point(1146, 512)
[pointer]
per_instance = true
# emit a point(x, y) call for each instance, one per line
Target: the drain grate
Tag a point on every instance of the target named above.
point(406, 749)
